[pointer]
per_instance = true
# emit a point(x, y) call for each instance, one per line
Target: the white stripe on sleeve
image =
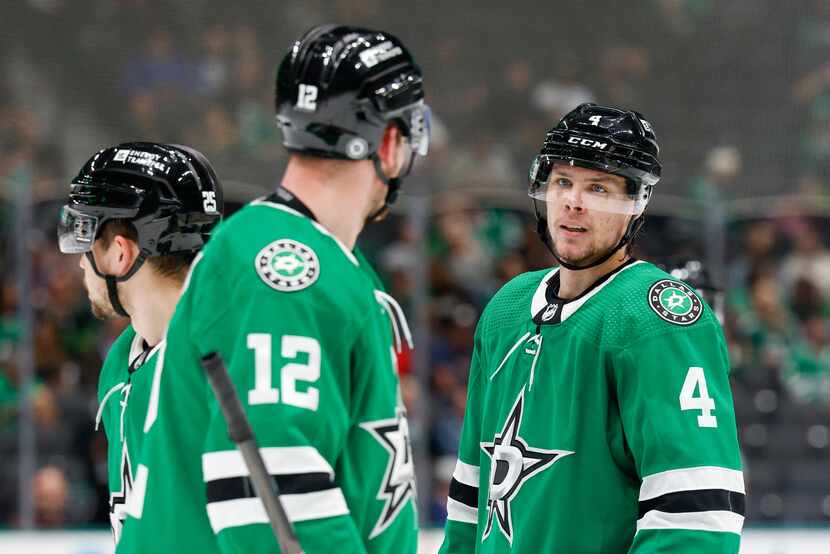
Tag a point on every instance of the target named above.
point(690, 479)
point(278, 461)
point(298, 507)
point(458, 511)
point(466, 473)
point(718, 521)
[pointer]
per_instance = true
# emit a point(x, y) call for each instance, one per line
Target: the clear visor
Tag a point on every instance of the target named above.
point(417, 143)
point(420, 127)
point(589, 189)
point(76, 231)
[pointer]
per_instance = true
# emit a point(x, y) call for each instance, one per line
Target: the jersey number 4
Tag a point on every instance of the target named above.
point(695, 379)
point(290, 374)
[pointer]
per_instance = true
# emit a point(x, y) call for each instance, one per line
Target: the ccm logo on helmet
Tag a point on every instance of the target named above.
point(587, 142)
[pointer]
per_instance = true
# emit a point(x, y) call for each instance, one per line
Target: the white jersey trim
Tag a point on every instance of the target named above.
point(539, 300)
point(323, 230)
point(395, 312)
point(136, 348)
point(690, 479)
point(298, 507)
point(466, 474)
point(716, 521)
point(153, 405)
point(100, 413)
point(458, 511)
point(278, 461)
point(135, 501)
point(569, 308)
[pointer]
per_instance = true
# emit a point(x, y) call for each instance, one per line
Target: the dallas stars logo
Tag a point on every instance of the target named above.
point(675, 302)
point(398, 483)
point(287, 265)
point(512, 464)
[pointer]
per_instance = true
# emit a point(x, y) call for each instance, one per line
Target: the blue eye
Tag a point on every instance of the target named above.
point(561, 182)
point(596, 187)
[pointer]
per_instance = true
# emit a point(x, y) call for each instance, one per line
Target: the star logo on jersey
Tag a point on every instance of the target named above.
point(512, 464)
point(118, 500)
point(287, 265)
point(398, 483)
point(675, 302)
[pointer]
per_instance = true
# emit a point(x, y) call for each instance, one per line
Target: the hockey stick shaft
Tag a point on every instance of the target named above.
point(240, 432)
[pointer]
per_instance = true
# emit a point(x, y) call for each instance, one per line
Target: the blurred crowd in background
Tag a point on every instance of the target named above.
point(738, 92)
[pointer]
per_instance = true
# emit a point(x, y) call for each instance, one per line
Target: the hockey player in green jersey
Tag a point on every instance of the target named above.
point(138, 212)
point(599, 415)
point(307, 334)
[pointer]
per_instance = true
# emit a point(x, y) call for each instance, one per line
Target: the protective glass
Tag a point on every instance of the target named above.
point(418, 135)
point(420, 128)
point(547, 184)
point(76, 231)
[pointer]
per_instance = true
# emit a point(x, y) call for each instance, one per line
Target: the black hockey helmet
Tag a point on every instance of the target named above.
point(607, 139)
point(339, 87)
point(169, 193)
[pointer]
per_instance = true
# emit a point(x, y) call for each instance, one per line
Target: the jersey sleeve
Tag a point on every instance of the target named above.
point(291, 372)
point(461, 529)
point(678, 418)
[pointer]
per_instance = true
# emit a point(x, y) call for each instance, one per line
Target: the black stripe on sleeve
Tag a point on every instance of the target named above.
point(696, 501)
point(465, 494)
point(241, 487)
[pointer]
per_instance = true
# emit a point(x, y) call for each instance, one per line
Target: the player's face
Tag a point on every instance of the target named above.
point(96, 287)
point(586, 213)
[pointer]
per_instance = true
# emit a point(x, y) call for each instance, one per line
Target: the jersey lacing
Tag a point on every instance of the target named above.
point(524, 339)
point(100, 413)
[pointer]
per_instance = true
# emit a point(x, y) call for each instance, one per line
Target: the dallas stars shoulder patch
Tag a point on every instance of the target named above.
point(674, 302)
point(287, 265)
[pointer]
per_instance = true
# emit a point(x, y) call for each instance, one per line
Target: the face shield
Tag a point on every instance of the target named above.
point(420, 127)
point(92, 204)
point(402, 98)
point(417, 136)
point(557, 181)
point(76, 231)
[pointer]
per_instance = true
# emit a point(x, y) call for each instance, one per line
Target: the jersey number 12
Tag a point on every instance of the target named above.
point(309, 371)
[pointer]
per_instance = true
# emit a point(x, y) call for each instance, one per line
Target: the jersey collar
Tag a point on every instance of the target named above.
point(140, 351)
point(548, 309)
point(285, 201)
point(286, 198)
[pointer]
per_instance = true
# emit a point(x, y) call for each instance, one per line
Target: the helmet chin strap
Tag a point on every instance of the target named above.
point(393, 187)
point(631, 231)
point(112, 281)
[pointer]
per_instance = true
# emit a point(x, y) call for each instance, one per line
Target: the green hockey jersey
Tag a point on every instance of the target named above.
point(308, 339)
point(123, 394)
point(602, 424)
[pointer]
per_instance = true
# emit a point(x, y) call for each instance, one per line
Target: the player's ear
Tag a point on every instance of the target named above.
point(389, 151)
point(122, 254)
